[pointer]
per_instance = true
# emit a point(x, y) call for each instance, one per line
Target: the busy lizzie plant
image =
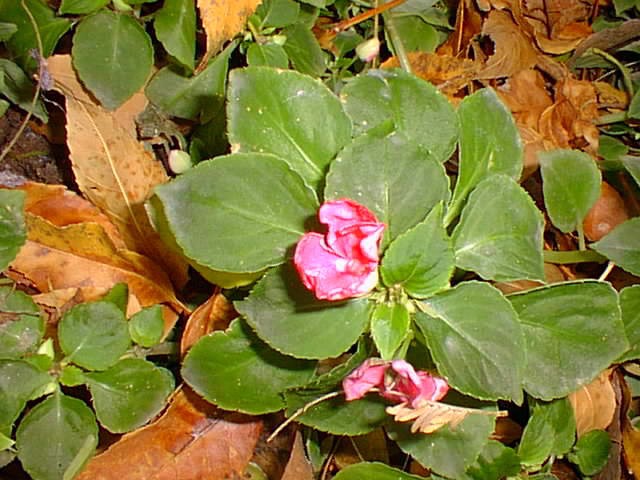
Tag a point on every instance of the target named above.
point(368, 252)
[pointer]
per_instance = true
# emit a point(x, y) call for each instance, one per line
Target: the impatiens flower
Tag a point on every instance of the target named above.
point(343, 263)
point(397, 381)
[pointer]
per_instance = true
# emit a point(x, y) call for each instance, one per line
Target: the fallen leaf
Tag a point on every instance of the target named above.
point(594, 405)
point(113, 169)
point(222, 20)
point(468, 25)
point(214, 314)
point(607, 213)
point(513, 51)
point(56, 302)
point(434, 415)
point(298, 467)
point(192, 440)
point(552, 274)
point(371, 447)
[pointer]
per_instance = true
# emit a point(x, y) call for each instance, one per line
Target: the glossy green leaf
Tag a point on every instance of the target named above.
point(56, 438)
point(495, 461)
point(392, 176)
point(175, 26)
point(634, 106)
point(19, 381)
point(277, 13)
point(290, 319)
point(112, 55)
point(476, 340)
point(236, 371)
point(267, 55)
point(94, 335)
point(5, 456)
point(591, 452)
point(373, 471)
point(13, 232)
point(447, 452)
point(630, 308)
point(23, 328)
point(288, 114)
point(500, 232)
point(489, 144)
point(72, 376)
point(622, 246)
point(551, 430)
point(7, 30)
point(80, 7)
point(119, 296)
point(420, 260)
point(199, 96)
point(417, 109)
point(21, 43)
point(304, 51)
point(572, 332)
point(416, 34)
point(389, 327)
point(632, 164)
point(129, 394)
point(19, 89)
point(147, 326)
point(238, 213)
point(571, 185)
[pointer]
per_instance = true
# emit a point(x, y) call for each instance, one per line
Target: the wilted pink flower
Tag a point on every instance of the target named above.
point(344, 262)
point(397, 381)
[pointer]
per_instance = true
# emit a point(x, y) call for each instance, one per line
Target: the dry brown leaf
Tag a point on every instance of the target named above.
point(56, 302)
point(113, 169)
point(513, 51)
point(434, 415)
point(552, 274)
point(607, 213)
point(214, 314)
point(468, 25)
point(222, 20)
point(298, 467)
point(82, 255)
point(594, 405)
point(191, 441)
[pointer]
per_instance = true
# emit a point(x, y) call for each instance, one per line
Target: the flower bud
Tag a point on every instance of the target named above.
point(179, 161)
point(368, 50)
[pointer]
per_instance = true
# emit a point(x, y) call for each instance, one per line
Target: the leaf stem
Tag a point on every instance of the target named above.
point(396, 41)
point(573, 256)
point(582, 245)
point(300, 412)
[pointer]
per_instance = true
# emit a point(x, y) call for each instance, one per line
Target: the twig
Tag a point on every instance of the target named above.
point(607, 271)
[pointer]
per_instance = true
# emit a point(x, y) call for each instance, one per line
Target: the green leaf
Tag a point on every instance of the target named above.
point(476, 340)
point(147, 326)
point(72, 376)
point(500, 233)
point(489, 144)
point(80, 7)
point(21, 43)
point(277, 13)
point(304, 51)
point(236, 371)
point(495, 461)
point(267, 55)
point(175, 26)
point(624, 5)
point(19, 89)
point(572, 332)
point(634, 106)
point(373, 471)
point(591, 452)
point(571, 185)
point(119, 296)
point(23, 327)
point(630, 308)
point(129, 394)
point(447, 452)
point(392, 176)
point(622, 246)
point(196, 97)
point(420, 260)
point(612, 151)
point(287, 114)
point(19, 381)
point(7, 30)
point(632, 164)
point(94, 335)
point(292, 320)
point(238, 213)
point(56, 438)
point(112, 55)
point(416, 107)
point(551, 430)
point(416, 34)
point(389, 328)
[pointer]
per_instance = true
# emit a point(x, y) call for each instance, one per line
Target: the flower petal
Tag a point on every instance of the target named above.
point(337, 214)
point(369, 375)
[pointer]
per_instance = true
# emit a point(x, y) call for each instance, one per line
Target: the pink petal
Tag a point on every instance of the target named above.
point(369, 375)
point(338, 214)
point(359, 242)
point(414, 387)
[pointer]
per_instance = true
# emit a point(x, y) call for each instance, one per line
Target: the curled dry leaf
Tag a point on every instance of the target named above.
point(191, 441)
point(434, 415)
point(214, 314)
point(298, 467)
point(222, 20)
point(468, 25)
point(56, 302)
point(606, 214)
point(112, 168)
point(594, 405)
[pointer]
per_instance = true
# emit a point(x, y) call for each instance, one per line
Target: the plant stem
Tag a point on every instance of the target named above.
point(626, 75)
point(300, 412)
point(398, 46)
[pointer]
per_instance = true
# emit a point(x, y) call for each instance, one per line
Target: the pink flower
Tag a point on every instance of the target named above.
point(344, 262)
point(397, 381)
